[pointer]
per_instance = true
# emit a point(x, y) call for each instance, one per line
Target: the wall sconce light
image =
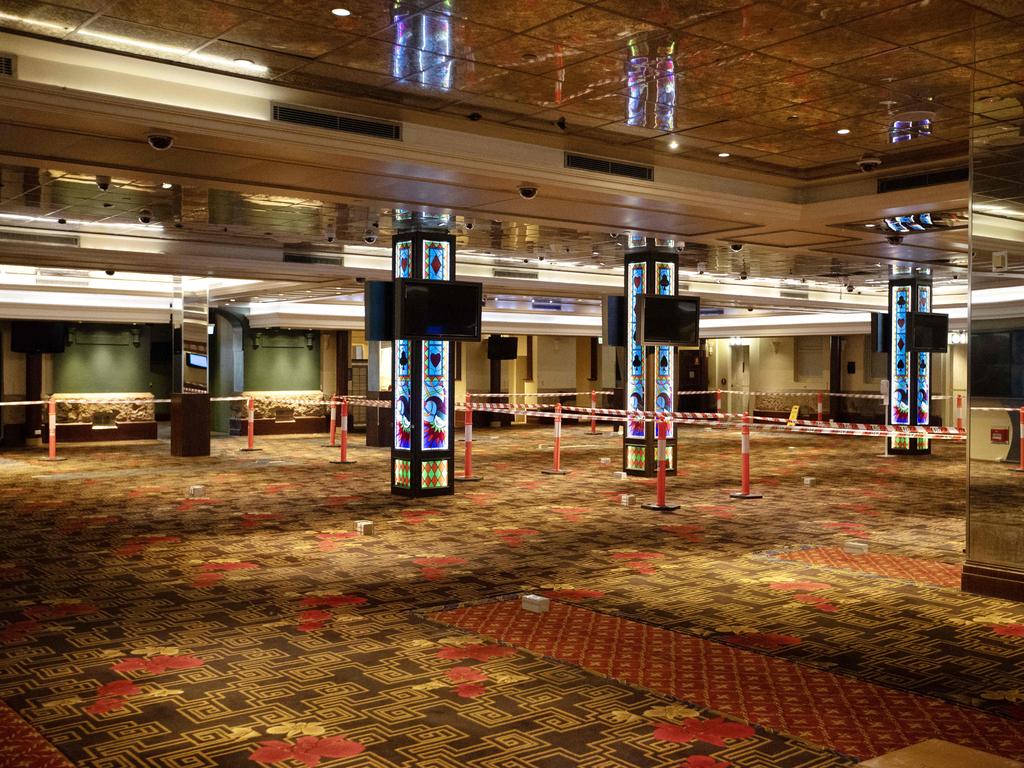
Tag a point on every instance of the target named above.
point(737, 341)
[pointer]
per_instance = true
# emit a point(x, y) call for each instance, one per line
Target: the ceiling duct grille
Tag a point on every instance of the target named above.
point(305, 258)
point(520, 274)
point(784, 294)
point(918, 180)
point(338, 121)
point(24, 237)
point(8, 65)
point(613, 167)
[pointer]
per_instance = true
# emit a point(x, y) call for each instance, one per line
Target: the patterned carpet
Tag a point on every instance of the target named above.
point(251, 627)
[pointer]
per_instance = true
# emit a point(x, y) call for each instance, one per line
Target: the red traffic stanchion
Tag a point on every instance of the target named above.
point(1020, 444)
point(51, 413)
point(821, 399)
point(744, 492)
point(251, 419)
point(556, 468)
point(343, 456)
point(959, 411)
point(467, 465)
point(661, 431)
point(334, 423)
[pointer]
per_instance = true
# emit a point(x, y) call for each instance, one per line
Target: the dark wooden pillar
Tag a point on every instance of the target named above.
point(34, 391)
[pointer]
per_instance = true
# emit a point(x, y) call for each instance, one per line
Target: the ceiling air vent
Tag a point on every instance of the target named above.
point(8, 65)
point(802, 295)
point(338, 121)
point(918, 180)
point(25, 237)
point(520, 274)
point(613, 167)
point(305, 258)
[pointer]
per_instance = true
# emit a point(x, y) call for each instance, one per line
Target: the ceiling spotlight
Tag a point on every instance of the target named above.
point(341, 12)
point(843, 131)
point(724, 154)
point(870, 226)
point(166, 185)
point(673, 144)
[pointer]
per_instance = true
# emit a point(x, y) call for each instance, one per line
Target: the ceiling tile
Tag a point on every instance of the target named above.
point(794, 116)
point(288, 36)
point(202, 18)
point(728, 130)
point(746, 71)
point(922, 20)
point(370, 55)
point(513, 16)
point(988, 42)
point(138, 39)
point(826, 47)
point(755, 26)
point(883, 68)
point(367, 16)
point(531, 55)
point(592, 29)
point(41, 18)
point(838, 11)
point(671, 15)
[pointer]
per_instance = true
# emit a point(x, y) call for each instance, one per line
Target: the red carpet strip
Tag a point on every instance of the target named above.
point(893, 566)
point(21, 745)
point(841, 713)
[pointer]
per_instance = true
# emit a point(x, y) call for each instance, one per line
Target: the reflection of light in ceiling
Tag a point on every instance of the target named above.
point(909, 126)
point(34, 22)
point(23, 219)
point(641, 70)
point(423, 46)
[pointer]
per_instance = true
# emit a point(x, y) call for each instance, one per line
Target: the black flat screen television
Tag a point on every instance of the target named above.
point(929, 332)
point(881, 330)
point(669, 320)
point(379, 310)
point(438, 310)
point(502, 348)
point(36, 337)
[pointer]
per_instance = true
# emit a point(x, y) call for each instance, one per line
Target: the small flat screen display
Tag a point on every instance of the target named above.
point(37, 337)
point(502, 348)
point(193, 360)
point(438, 310)
point(670, 320)
point(930, 332)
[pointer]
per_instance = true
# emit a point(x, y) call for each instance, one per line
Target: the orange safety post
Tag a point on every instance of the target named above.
point(334, 423)
point(959, 411)
point(1020, 443)
point(343, 456)
point(251, 419)
point(744, 492)
point(51, 409)
point(661, 432)
point(556, 468)
point(467, 467)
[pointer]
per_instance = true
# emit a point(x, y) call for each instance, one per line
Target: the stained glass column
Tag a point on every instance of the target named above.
point(423, 451)
point(909, 370)
point(650, 376)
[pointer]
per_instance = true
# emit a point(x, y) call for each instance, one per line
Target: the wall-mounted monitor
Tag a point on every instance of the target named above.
point(613, 321)
point(929, 332)
point(669, 320)
point(502, 347)
point(379, 310)
point(195, 360)
point(34, 337)
point(438, 310)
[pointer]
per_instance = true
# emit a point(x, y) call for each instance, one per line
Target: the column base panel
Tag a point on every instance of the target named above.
point(993, 581)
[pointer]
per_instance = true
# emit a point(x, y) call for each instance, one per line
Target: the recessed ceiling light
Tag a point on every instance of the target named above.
point(843, 131)
point(673, 144)
point(166, 185)
point(341, 12)
point(724, 154)
point(870, 226)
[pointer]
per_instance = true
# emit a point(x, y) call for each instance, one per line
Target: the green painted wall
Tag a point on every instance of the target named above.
point(282, 361)
point(103, 358)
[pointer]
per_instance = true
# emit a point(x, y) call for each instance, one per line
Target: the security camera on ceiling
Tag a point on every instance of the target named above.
point(160, 141)
point(103, 183)
point(145, 216)
point(735, 247)
point(370, 236)
point(869, 163)
point(527, 191)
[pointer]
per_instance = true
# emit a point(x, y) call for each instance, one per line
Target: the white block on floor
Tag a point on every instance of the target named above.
point(627, 499)
point(535, 604)
point(197, 491)
point(810, 481)
point(855, 547)
point(620, 475)
point(364, 527)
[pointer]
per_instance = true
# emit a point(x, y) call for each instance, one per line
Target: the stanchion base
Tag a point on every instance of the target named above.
point(661, 507)
point(596, 434)
point(341, 461)
point(467, 479)
point(328, 445)
point(1017, 469)
point(555, 471)
point(55, 458)
point(741, 495)
point(250, 450)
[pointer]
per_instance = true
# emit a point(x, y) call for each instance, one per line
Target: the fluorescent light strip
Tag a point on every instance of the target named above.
point(75, 222)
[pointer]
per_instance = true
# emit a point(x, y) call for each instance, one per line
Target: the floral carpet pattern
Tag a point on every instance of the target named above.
point(251, 626)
